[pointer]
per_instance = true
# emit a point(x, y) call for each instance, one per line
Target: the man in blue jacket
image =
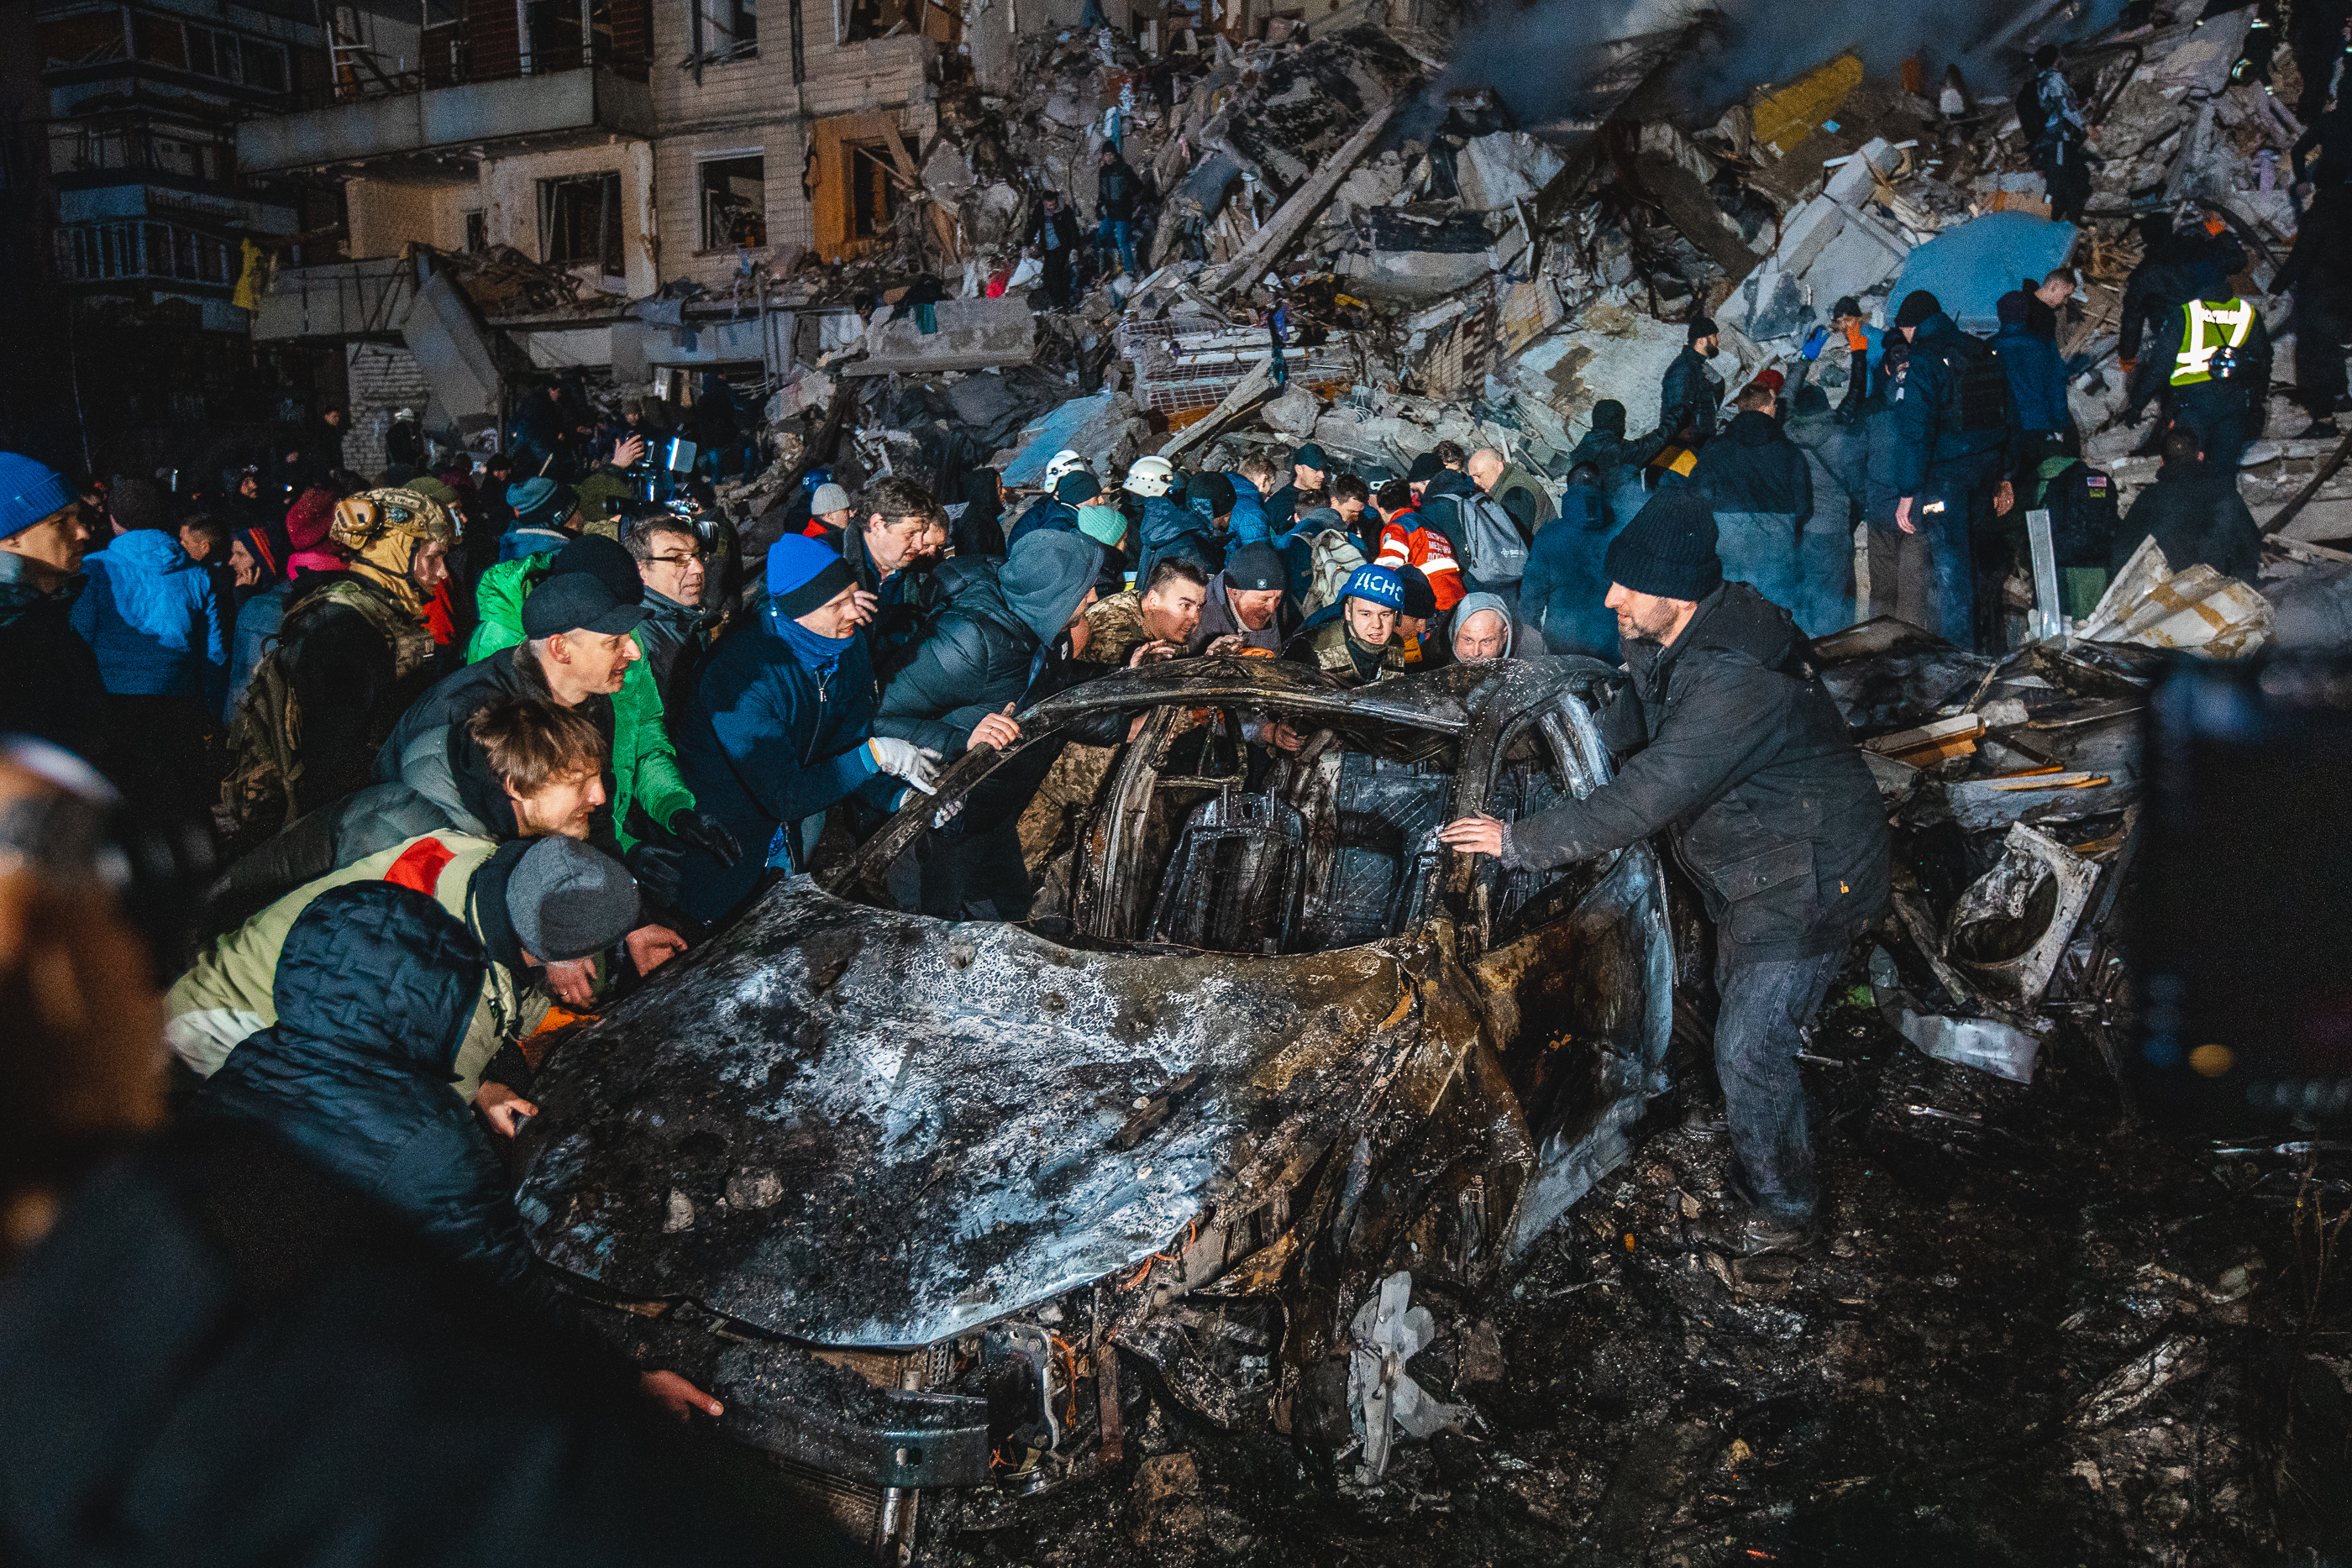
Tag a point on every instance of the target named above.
point(781, 726)
point(152, 617)
point(2037, 379)
point(1567, 578)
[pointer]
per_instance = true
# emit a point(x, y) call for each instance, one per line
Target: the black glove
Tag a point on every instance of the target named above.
point(657, 868)
point(698, 828)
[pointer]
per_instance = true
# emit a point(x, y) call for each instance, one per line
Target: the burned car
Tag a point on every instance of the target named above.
point(928, 1194)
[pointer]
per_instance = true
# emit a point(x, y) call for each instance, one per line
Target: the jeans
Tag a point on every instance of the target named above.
point(1949, 511)
point(1760, 549)
point(1118, 232)
point(1825, 574)
point(1767, 1008)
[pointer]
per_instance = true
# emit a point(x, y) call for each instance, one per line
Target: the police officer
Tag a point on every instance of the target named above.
point(2220, 356)
point(1951, 456)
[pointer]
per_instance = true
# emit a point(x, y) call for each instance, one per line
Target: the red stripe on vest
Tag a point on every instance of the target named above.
point(420, 868)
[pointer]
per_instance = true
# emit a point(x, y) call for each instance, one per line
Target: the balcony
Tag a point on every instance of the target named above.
point(150, 253)
point(339, 300)
point(541, 109)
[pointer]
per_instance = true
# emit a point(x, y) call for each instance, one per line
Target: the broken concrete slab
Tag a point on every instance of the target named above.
point(2199, 610)
point(1494, 171)
point(972, 335)
point(1097, 428)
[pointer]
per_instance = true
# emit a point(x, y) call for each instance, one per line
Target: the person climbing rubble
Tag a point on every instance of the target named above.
point(1116, 190)
point(1053, 236)
point(2056, 127)
point(1733, 748)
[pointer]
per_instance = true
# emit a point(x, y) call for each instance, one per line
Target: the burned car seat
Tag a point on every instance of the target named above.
point(1232, 884)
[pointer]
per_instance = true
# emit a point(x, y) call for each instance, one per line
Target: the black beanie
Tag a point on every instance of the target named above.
point(1424, 468)
point(2011, 308)
point(1420, 598)
point(1702, 327)
point(1847, 305)
point(1609, 414)
point(1668, 550)
point(1918, 306)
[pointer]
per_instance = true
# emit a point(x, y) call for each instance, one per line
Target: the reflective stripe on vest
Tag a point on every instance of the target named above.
point(2202, 339)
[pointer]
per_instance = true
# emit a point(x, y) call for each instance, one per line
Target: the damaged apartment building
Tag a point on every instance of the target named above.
point(567, 159)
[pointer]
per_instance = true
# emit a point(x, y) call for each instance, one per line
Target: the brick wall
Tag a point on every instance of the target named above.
point(378, 378)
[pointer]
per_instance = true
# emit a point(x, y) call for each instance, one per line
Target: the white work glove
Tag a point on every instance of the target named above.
point(947, 814)
point(918, 765)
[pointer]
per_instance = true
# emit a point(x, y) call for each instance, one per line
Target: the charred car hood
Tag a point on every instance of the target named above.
point(857, 1127)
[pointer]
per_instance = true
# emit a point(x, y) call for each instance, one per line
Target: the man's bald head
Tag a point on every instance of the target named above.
point(1484, 467)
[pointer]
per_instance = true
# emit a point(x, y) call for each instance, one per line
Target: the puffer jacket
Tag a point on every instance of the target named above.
point(1751, 467)
point(1249, 523)
point(1564, 591)
point(150, 616)
point(1170, 528)
point(373, 991)
point(674, 636)
point(229, 994)
point(2037, 379)
point(980, 655)
point(1735, 752)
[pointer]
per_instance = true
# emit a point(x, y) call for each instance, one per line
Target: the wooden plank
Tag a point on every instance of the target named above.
point(1290, 220)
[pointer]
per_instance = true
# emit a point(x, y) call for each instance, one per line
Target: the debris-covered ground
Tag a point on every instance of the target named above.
point(2038, 1333)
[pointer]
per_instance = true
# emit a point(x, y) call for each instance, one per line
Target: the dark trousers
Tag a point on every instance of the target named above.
point(1057, 277)
point(1767, 1010)
point(1898, 575)
point(2068, 177)
point(2216, 411)
point(2315, 61)
point(2323, 326)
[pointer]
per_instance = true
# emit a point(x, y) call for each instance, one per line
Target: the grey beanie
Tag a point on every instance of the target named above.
point(568, 901)
point(1046, 576)
point(1471, 604)
point(828, 498)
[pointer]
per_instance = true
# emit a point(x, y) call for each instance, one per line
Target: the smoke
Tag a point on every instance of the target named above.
point(1518, 51)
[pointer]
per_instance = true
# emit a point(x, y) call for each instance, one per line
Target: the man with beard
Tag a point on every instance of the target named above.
point(1733, 748)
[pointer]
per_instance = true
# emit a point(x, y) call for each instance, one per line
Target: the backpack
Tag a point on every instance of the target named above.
point(261, 792)
point(2080, 502)
point(1333, 556)
point(1980, 390)
point(1490, 547)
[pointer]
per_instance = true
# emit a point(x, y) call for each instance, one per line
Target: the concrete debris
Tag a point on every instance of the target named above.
point(2199, 610)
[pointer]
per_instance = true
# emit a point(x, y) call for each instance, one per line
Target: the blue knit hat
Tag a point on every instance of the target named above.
point(806, 573)
point(541, 503)
point(1376, 584)
point(29, 491)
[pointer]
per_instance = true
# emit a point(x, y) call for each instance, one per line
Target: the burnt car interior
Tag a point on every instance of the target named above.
point(1205, 839)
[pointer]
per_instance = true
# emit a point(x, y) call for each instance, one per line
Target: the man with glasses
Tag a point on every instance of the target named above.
point(676, 632)
point(894, 534)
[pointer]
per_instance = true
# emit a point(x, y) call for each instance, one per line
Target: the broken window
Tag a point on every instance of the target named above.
point(875, 189)
point(734, 198)
point(580, 220)
point(723, 30)
point(478, 232)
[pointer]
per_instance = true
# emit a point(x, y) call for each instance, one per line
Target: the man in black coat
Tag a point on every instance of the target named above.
point(1951, 455)
point(2315, 32)
point(1116, 189)
point(2194, 514)
point(675, 631)
point(1762, 492)
point(1691, 391)
point(1732, 748)
point(1053, 234)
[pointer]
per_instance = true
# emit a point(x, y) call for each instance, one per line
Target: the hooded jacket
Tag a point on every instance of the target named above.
point(1620, 461)
point(53, 688)
point(643, 767)
point(980, 655)
point(1933, 448)
point(1751, 467)
point(1170, 528)
point(1732, 749)
point(2196, 515)
point(1472, 606)
point(150, 616)
point(1249, 522)
point(764, 740)
point(1567, 581)
point(375, 989)
point(2184, 267)
point(232, 990)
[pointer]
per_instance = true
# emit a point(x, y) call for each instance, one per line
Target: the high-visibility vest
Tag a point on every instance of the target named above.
point(2211, 326)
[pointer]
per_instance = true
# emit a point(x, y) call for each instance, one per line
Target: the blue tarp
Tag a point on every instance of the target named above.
point(1971, 267)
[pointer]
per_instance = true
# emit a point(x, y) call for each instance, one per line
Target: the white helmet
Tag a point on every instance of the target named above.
point(1150, 476)
point(1064, 462)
